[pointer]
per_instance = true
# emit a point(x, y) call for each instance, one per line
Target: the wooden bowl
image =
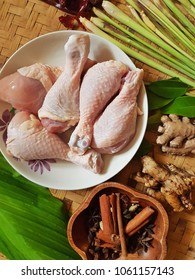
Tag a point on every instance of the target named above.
point(78, 230)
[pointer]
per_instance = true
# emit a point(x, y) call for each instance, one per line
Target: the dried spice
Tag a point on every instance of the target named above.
point(142, 240)
point(73, 10)
point(119, 226)
point(69, 6)
point(167, 183)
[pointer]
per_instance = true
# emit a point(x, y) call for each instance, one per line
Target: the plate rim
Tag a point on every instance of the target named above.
point(141, 133)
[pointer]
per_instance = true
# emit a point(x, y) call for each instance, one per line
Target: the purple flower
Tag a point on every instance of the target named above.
point(4, 122)
point(38, 164)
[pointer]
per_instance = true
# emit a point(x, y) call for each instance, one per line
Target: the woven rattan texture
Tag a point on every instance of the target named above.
point(23, 20)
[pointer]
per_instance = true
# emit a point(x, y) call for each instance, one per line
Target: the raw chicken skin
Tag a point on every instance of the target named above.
point(99, 85)
point(29, 140)
point(60, 108)
point(44, 73)
point(22, 93)
point(116, 126)
point(47, 74)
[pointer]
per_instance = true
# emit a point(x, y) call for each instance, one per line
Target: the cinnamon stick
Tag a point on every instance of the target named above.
point(103, 241)
point(138, 220)
point(120, 228)
point(108, 235)
point(112, 198)
point(108, 227)
point(138, 227)
point(108, 238)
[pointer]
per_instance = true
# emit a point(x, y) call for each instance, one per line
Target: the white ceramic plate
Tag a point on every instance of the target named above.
point(63, 175)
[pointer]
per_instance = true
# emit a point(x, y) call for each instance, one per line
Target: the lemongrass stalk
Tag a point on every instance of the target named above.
point(91, 27)
point(160, 4)
point(186, 11)
point(134, 4)
point(137, 17)
point(186, 3)
point(107, 19)
point(115, 12)
point(106, 27)
point(166, 11)
point(180, 15)
point(169, 60)
point(163, 19)
point(150, 24)
point(188, 6)
point(193, 2)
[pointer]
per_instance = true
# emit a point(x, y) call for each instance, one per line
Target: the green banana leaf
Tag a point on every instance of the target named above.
point(33, 223)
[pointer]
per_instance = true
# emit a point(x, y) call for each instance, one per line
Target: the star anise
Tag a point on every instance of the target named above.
point(94, 216)
point(149, 229)
point(144, 242)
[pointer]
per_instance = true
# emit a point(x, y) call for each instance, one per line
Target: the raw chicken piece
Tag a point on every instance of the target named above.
point(26, 88)
point(29, 140)
point(22, 93)
point(60, 108)
point(100, 84)
point(89, 63)
point(46, 74)
point(116, 126)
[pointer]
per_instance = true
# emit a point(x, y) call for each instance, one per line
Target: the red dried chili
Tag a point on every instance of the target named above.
point(75, 6)
point(74, 9)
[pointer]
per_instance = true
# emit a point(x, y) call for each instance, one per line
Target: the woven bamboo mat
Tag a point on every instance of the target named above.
point(22, 20)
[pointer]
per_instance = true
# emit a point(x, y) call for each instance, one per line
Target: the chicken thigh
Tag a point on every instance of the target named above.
point(116, 126)
point(60, 108)
point(27, 88)
point(29, 140)
point(99, 85)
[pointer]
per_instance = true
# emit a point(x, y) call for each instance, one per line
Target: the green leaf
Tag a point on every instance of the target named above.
point(33, 223)
point(183, 106)
point(170, 88)
point(155, 101)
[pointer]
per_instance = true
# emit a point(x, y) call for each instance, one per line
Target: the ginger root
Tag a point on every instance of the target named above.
point(166, 183)
point(177, 135)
